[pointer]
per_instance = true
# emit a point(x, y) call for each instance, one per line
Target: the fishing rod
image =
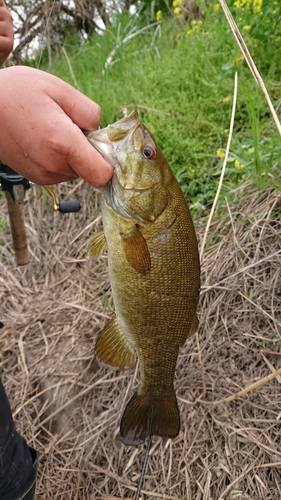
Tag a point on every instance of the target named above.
point(15, 186)
point(144, 465)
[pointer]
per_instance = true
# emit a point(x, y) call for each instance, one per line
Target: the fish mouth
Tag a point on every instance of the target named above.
point(107, 141)
point(101, 142)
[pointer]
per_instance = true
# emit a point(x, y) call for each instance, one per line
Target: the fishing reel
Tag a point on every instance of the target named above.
point(16, 186)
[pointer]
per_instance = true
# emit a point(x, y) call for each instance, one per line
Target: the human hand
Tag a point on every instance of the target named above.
point(6, 33)
point(41, 119)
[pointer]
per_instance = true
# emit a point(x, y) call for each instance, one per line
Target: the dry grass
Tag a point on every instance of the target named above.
point(69, 408)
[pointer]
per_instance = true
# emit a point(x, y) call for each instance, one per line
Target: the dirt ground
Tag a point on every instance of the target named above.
point(69, 408)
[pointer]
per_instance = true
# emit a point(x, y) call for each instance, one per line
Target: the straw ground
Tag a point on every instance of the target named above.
point(69, 408)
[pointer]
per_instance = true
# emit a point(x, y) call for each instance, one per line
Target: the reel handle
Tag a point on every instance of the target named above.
point(69, 206)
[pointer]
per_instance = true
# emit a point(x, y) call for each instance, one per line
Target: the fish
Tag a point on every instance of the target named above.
point(154, 272)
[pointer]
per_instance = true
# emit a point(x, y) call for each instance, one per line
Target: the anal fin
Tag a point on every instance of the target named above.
point(112, 349)
point(194, 327)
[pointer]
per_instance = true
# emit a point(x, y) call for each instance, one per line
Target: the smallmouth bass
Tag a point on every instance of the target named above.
point(154, 273)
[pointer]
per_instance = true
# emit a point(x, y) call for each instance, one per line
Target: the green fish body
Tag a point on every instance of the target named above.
point(154, 274)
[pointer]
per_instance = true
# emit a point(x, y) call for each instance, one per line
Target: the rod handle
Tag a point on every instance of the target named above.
point(18, 231)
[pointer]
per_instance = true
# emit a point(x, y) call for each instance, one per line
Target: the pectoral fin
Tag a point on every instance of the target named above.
point(112, 349)
point(136, 250)
point(96, 245)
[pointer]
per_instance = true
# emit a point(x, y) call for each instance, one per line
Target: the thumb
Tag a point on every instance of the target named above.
point(84, 112)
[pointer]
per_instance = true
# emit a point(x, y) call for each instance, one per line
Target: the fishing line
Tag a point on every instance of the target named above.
point(224, 165)
point(208, 179)
point(144, 465)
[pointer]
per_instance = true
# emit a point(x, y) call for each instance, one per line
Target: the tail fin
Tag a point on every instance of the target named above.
point(146, 416)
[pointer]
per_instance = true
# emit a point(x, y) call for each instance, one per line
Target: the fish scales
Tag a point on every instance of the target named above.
point(154, 274)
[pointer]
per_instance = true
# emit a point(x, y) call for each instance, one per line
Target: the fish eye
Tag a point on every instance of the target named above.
point(149, 152)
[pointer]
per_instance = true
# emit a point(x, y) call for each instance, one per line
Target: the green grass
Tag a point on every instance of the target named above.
point(3, 224)
point(106, 299)
point(182, 76)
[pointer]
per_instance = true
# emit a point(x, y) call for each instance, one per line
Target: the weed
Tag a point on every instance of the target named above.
point(48, 228)
point(3, 224)
point(180, 76)
point(106, 300)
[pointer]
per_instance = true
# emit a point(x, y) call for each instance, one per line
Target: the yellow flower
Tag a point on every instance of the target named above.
point(226, 99)
point(239, 57)
point(177, 11)
point(257, 6)
point(220, 153)
point(247, 27)
point(158, 15)
point(177, 3)
point(195, 25)
point(238, 165)
point(240, 4)
point(216, 7)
